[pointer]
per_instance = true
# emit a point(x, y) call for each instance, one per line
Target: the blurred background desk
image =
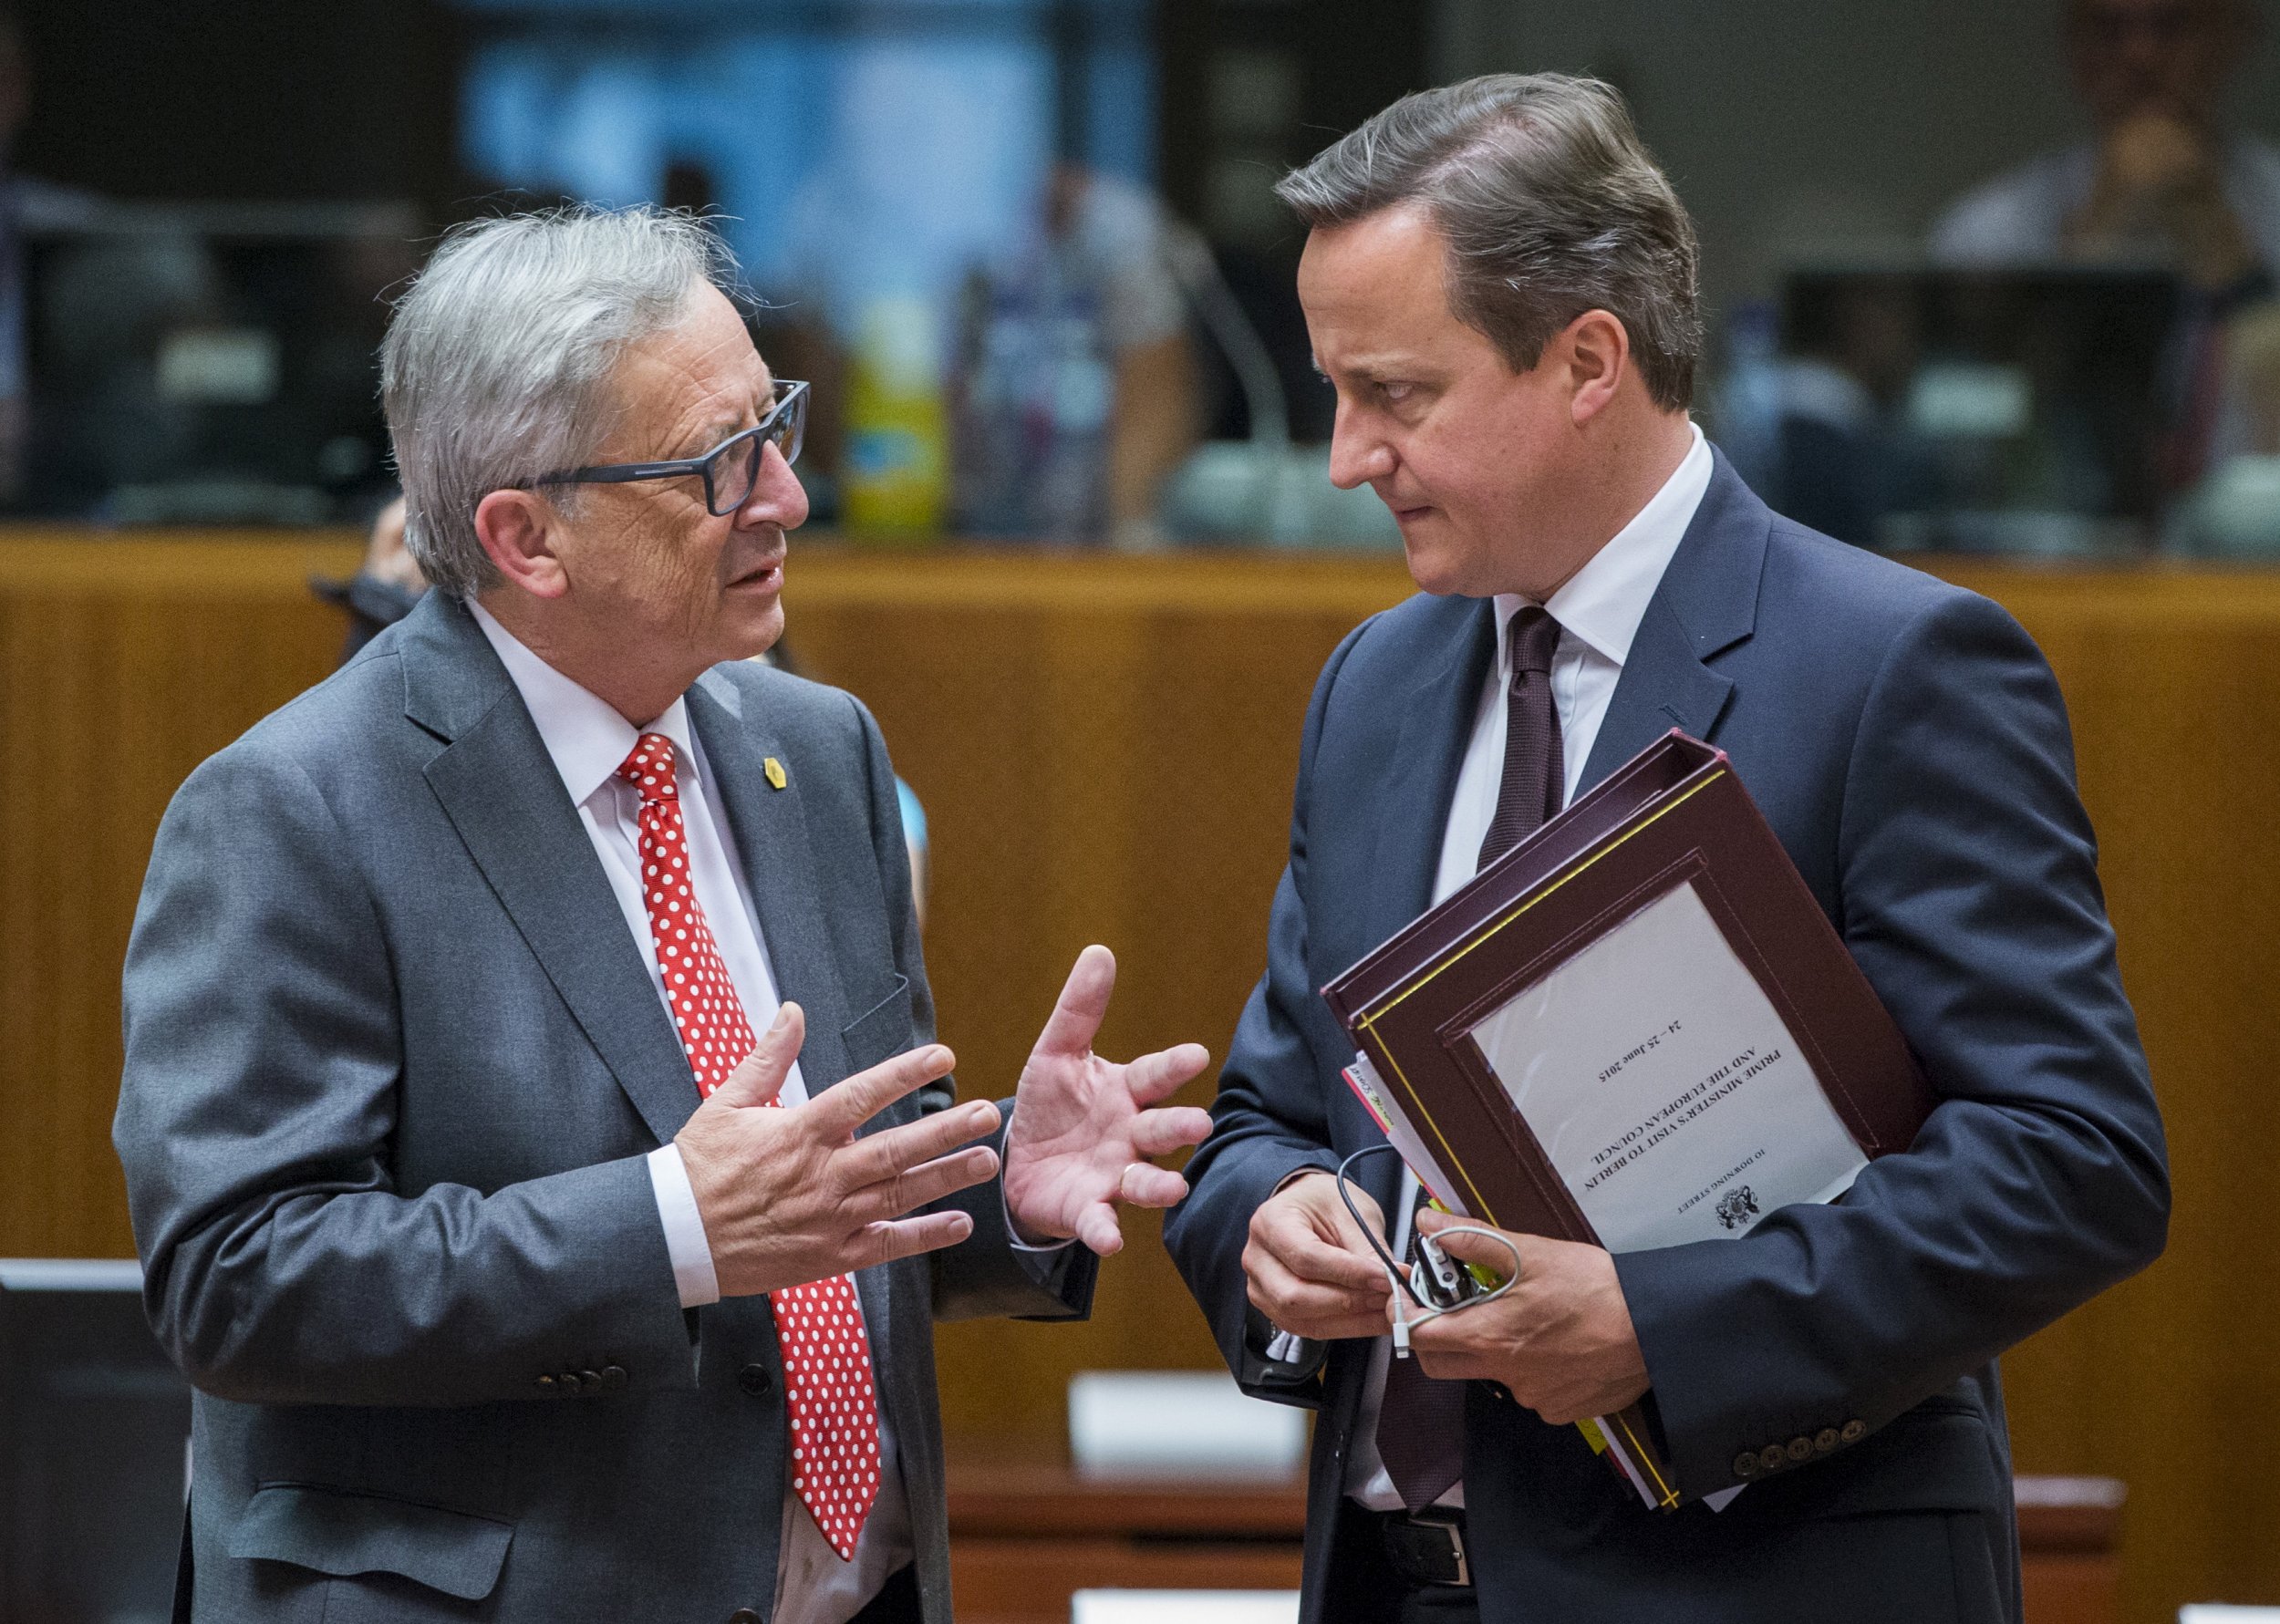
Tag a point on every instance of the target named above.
point(1025, 1533)
point(1105, 747)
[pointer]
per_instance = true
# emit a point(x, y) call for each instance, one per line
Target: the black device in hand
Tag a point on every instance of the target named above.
point(1441, 1281)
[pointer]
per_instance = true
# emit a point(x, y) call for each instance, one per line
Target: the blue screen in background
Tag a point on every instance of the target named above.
point(864, 150)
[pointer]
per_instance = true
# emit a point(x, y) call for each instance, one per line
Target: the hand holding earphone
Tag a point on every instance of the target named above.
point(1434, 1283)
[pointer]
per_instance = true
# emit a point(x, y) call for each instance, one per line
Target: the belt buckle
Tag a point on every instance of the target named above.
point(1429, 1545)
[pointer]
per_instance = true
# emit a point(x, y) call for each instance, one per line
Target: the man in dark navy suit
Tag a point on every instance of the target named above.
point(1500, 285)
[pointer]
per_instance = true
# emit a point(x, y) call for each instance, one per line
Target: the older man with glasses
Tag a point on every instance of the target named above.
point(539, 1153)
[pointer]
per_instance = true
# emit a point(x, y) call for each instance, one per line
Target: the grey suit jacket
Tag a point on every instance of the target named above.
point(393, 1061)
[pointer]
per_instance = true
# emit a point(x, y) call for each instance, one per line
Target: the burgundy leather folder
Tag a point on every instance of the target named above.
point(1675, 814)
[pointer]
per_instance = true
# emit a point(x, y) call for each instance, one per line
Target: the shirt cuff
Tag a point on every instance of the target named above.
point(685, 1241)
point(1014, 1235)
point(1287, 1347)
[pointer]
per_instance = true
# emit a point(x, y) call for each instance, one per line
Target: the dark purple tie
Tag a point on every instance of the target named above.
point(1421, 1424)
point(1535, 770)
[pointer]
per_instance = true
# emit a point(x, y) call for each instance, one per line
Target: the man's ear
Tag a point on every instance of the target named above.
point(518, 529)
point(1597, 351)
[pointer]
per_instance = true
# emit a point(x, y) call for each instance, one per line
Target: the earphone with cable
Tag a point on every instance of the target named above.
point(1429, 1311)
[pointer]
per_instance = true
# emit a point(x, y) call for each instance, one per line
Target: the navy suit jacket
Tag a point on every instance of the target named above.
point(1908, 744)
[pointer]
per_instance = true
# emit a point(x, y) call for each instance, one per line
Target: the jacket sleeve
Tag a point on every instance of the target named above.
point(986, 1274)
point(256, 1114)
point(1271, 1118)
point(1969, 895)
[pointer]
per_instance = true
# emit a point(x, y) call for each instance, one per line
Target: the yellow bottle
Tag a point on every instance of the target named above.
point(896, 479)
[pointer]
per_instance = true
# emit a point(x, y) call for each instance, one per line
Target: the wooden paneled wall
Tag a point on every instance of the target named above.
point(123, 664)
point(1104, 748)
point(2172, 1381)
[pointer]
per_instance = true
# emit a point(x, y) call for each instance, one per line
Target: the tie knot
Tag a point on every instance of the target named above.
point(649, 769)
point(1534, 638)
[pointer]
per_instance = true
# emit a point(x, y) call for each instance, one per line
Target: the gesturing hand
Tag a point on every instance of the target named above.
point(791, 1196)
point(1560, 1340)
point(1081, 1134)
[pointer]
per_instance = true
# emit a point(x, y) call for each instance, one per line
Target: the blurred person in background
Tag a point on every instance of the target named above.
point(496, 1192)
point(2162, 180)
point(387, 586)
point(1842, 455)
point(1075, 392)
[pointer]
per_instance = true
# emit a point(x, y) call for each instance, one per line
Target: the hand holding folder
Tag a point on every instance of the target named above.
point(1636, 1028)
point(1560, 1340)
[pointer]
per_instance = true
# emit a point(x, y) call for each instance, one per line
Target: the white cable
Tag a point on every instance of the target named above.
point(1425, 1313)
point(1504, 1286)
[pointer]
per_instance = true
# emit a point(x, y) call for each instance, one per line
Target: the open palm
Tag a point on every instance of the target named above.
point(1084, 1127)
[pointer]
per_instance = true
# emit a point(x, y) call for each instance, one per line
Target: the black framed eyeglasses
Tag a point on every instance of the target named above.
point(730, 469)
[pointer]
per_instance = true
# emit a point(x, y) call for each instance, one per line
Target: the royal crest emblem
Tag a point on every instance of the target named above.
point(1737, 1206)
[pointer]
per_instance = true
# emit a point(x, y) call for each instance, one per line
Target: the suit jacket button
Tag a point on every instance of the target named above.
point(1854, 1431)
point(1746, 1463)
point(1773, 1457)
point(743, 1615)
point(613, 1378)
point(755, 1380)
point(1800, 1449)
point(589, 1382)
point(568, 1383)
point(1825, 1440)
point(548, 1386)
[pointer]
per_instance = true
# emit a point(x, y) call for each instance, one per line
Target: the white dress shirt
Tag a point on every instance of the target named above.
point(1598, 611)
point(587, 739)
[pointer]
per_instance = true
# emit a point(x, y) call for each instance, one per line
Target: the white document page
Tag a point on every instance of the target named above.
point(1663, 1086)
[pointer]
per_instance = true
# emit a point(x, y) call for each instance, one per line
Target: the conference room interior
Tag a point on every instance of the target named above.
point(1075, 545)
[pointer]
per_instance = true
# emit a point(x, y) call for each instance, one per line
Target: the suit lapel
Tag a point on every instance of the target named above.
point(1420, 775)
point(498, 787)
point(770, 828)
point(1705, 603)
point(1418, 782)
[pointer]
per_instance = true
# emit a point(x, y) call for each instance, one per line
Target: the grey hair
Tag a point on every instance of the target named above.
point(1551, 205)
point(496, 369)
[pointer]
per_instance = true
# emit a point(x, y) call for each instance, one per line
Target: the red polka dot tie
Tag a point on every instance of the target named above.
point(826, 1360)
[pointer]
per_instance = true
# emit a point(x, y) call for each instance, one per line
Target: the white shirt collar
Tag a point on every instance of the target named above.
point(1603, 603)
point(582, 731)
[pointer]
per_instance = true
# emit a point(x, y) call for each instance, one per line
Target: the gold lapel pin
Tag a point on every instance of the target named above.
point(774, 770)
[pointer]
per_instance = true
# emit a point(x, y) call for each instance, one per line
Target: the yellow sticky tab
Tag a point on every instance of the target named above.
point(1593, 1436)
point(774, 770)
